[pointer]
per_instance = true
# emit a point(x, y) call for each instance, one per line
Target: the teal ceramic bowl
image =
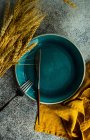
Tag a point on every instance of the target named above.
point(62, 69)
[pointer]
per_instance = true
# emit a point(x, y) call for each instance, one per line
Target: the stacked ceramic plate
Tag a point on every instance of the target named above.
point(61, 72)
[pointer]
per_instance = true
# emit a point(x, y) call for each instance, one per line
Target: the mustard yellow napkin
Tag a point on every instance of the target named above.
point(70, 119)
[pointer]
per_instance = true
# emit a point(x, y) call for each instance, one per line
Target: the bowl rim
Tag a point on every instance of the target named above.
point(52, 34)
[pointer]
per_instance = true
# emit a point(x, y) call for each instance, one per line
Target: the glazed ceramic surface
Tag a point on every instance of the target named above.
point(62, 69)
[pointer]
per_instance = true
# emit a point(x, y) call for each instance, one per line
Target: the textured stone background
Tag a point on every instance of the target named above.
point(18, 118)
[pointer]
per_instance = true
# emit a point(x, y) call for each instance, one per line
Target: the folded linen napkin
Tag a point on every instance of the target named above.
point(70, 119)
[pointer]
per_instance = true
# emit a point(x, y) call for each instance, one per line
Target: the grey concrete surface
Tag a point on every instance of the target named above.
point(17, 120)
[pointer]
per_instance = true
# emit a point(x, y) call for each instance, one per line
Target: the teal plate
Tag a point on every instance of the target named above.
point(62, 69)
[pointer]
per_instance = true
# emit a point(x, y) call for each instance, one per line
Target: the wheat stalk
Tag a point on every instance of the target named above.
point(17, 31)
point(70, 3)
